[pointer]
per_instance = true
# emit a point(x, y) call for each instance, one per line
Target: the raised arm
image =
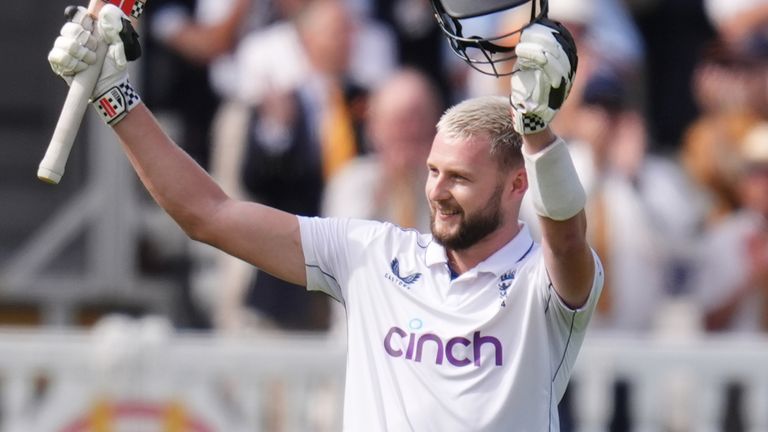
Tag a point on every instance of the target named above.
point(564, 238)
point(541, 81)
point(263, 236)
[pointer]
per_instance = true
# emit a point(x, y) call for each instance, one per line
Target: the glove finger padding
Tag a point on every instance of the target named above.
point(74, 50)
point(110, 25)
point(542, 76)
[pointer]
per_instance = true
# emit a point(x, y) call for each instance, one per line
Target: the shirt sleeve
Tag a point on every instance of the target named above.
point(333, 248)
point(568, 326)
point(577, 318)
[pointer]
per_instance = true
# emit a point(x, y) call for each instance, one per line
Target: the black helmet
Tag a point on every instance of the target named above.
point(482, 53)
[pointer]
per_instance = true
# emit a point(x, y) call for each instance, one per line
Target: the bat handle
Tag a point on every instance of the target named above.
point(52, 165)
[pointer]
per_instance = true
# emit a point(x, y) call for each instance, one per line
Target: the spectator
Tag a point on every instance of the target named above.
point(674, 33)
point(274, 105)
point(191, 39)
point(298, 138)
point(190, 47)
point(419, 40)
point(733, 272)
point(284, 42)
point(731, 92)
point(732, 279)
point(400, 120)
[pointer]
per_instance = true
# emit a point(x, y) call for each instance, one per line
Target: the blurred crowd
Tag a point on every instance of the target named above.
point(328, 107)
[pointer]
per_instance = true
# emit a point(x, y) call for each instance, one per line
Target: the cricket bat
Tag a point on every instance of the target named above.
point(54, 162)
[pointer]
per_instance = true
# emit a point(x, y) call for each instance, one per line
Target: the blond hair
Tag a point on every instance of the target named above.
point(486, 117)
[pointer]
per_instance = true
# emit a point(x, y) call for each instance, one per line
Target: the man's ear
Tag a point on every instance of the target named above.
point(519, 180)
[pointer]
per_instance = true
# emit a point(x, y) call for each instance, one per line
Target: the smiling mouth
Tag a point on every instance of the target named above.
point(447, 212)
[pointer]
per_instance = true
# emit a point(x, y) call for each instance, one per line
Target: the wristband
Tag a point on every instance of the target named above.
point(115, 103)
point(554, 186)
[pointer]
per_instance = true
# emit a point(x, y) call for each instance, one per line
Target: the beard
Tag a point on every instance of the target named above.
point(473, 227)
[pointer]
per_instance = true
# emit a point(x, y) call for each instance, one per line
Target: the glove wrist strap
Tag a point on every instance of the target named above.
point(113, 104)
point(527, 124)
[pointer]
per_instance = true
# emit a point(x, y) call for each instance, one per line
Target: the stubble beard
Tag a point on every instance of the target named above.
point(473, 227)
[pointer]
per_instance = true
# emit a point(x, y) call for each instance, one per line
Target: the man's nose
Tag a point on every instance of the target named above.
point(439, 189)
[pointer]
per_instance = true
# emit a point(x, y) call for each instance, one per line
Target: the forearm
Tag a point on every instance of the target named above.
point(571, 266)
point(559, 201)
point(176, 182)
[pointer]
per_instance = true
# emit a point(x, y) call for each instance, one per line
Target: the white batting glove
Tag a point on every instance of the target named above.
point(542, 76)
point(75, 50)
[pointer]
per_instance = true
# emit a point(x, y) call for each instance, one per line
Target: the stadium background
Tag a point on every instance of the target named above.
point(104, 322)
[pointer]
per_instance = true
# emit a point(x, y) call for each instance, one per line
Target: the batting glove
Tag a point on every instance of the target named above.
point(75, 50)
point(542, 76)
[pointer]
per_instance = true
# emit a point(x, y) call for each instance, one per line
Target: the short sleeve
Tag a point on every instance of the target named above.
point(579, 317)
point(333, 247)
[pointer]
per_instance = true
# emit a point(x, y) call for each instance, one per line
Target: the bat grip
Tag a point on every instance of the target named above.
point(81, 88)
point(53, 163)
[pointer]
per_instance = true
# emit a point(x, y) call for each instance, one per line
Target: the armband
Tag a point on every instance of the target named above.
point(555, 189)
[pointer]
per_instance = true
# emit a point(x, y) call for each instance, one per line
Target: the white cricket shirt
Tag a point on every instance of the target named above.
point(491, 350)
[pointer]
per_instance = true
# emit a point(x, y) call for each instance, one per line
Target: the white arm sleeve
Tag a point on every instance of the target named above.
point(553, 184)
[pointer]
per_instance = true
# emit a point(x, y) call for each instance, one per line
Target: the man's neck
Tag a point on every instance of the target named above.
point(463, 260)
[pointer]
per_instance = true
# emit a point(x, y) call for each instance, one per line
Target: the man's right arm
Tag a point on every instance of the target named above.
point(262, 236)
point(265, 237)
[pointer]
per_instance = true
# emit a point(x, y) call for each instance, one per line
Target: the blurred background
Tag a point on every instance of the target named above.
point(113, 321)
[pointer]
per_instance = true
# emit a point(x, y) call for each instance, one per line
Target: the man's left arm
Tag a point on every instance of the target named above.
point(540, 83)
point(567, 255)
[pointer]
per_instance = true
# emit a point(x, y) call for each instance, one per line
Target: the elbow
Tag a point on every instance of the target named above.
point(196, 230)
point(198, 224)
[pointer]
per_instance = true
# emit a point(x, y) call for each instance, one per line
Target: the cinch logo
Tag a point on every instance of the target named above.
point(401, 281)
point(445, 349)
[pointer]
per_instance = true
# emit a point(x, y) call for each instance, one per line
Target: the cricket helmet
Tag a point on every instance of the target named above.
point(484, 53)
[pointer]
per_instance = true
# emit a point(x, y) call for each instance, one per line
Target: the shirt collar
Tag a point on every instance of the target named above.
point(514, 251)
